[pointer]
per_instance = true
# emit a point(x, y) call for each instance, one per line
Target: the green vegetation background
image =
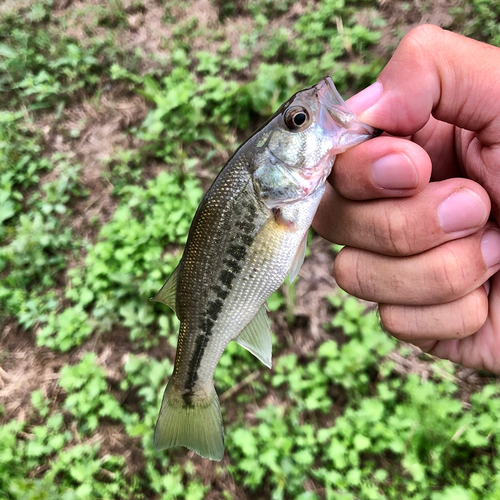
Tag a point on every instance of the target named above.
point(114, 117)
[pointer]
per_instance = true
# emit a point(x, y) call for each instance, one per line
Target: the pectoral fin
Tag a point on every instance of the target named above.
point(299, 259)
point(256, 337)
point(168, 291)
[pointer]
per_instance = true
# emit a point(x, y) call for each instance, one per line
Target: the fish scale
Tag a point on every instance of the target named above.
point(248, 234)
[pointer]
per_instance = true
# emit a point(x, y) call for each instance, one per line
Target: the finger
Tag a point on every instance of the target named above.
point(453, 83)
point(443, 274)
point(382, 168)
point(438, 140)
point(441, 212)
point(480, 350)
point(481, 165)
point(454, 320)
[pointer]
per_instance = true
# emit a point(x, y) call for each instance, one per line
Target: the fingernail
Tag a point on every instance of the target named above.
point(366, 98)
point(395, 171)
point(462, 210)
point(490, 247)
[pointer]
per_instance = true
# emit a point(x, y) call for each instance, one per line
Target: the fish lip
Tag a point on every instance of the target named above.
point(351, 131)
point(329, 96)
point(328, 81)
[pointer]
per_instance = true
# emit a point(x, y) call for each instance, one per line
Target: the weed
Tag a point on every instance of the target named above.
point(88, 399)
point(484, 21)
point(126, 262)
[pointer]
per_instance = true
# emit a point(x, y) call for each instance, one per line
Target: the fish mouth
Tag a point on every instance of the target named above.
point(337, 119)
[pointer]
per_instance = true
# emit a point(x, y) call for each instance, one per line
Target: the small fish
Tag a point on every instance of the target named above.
point(248, 234)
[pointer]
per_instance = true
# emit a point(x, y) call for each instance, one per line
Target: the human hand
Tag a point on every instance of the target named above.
point(426, 251)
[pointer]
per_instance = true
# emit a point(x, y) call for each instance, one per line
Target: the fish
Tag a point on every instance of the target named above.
point(248, 234)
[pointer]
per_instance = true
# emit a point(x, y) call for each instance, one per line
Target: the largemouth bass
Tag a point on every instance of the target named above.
point(248, 234)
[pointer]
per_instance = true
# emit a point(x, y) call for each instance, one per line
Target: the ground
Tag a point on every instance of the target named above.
point(102, 119)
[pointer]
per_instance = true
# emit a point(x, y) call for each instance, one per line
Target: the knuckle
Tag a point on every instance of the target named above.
point(450, 276)
point(424, 35)
point(348, 271)
point(465, 316)
point(392, 319)
point(455, 320)
point(398, 234)
point(476, 313)
point(344, 267)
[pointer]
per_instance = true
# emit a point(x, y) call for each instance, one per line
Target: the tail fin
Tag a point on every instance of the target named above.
point(197, 426)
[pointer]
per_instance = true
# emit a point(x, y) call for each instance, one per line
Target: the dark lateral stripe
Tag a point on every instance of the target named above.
point(220, 292)
point(206, 325)
point(214, 308)
point(246, 227)
point(200, 346)
point(252, 211)
point(233, 265)
point(226, 278)
point(237, 251)
point(246, 239)
point(209, 324)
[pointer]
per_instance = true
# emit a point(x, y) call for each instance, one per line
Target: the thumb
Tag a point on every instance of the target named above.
point(436, 72)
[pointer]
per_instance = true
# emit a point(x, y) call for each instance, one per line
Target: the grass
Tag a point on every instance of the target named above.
point(114, 118)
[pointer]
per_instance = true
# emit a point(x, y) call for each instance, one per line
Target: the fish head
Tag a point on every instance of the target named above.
point(297, 147)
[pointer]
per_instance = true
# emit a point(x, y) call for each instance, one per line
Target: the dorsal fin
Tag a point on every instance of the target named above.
point(256, 337)
point(168, 291)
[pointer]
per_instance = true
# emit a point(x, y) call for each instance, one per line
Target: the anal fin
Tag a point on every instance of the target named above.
point(256, 337)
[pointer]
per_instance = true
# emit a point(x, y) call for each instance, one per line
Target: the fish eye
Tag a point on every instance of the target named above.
point(296, 117)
